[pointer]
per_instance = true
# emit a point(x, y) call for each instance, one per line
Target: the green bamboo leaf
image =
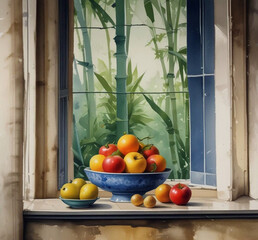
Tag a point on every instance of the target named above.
point(105, 85)
point(83, 121)
point(84, 64)
point(76, 144)
point(161, 113)
point(138, 81)
point(129, 73)
point(141, 119)
point(181, 71)
point(149, 9)
point(101, 12)
point(183, 50)
point(137, 101)
point(182, 25)
point(178, 55)
point(77, 173)
point(87, 141)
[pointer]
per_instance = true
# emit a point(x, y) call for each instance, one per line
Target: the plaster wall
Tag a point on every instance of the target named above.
point(143, 230)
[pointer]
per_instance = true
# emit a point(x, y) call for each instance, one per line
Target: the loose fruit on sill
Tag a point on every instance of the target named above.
point(149, 202)
point(162, 193)
point(180, 194)
point(137, 200)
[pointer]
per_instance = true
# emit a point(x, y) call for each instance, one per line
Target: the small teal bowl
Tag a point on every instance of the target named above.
point(77, 203)
point(124, 185)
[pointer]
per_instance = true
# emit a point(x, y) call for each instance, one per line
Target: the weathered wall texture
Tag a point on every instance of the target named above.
point(143, 230)
point(239, 100)
point(46, 99)
point(11, 119)
point(253, 95)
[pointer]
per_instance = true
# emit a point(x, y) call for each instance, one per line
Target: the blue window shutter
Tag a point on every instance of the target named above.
point(63, 92)
point(200, 71)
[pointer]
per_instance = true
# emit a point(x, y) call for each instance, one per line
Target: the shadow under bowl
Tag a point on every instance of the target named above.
point(124, 185)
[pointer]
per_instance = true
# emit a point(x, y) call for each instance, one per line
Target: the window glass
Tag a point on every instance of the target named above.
point(157, 87)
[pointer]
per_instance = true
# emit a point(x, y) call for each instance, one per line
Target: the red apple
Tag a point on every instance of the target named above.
point(107, 149)
point(149, 150)
point(114, 164)
point(180, 194)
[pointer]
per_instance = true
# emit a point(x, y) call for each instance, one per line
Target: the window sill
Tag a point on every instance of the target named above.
point(197, 208)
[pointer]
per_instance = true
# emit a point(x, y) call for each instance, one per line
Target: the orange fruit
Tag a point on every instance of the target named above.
point(162, 193)
point(128, 143)
point(96, 163)
point(149, 202)
point(137, 200)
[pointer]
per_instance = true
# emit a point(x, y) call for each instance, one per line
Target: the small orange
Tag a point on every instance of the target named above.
point(128, 143)
point(162, 193)
point(149, 202)
point(96, 163)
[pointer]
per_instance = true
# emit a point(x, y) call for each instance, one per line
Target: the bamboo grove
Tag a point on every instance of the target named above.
point(117, 91)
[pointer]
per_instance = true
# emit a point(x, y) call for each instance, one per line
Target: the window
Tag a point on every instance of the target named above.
point(157, 84)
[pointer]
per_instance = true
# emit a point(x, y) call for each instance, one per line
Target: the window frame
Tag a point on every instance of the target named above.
point(226, 162)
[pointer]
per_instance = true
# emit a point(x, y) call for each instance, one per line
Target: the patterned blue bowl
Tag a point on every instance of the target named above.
point(124, 185)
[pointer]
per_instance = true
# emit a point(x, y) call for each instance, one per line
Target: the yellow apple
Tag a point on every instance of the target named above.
point(135, 162)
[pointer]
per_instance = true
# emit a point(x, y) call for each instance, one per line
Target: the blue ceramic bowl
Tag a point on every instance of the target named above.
point(124, 185)
point(77, 203)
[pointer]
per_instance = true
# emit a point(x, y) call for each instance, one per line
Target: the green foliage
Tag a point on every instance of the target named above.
point(171, 110)
point(149, 9)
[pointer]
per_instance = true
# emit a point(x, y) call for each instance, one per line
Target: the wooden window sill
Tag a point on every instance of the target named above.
point(197, 208)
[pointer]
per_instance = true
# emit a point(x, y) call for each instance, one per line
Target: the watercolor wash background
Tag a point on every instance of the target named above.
point(156, 66)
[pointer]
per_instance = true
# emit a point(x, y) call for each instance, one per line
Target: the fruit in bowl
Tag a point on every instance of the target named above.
point(78, 193)
point(126, 171)
point(115, 164)
point(135, 163)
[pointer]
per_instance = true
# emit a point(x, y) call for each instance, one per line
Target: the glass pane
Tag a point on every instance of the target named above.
point(156, 68)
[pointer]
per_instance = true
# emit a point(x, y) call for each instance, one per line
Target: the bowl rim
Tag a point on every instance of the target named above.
point(129, 174)
point(79, 200)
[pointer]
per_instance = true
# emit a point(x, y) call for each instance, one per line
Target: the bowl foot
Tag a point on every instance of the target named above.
point(123, 197)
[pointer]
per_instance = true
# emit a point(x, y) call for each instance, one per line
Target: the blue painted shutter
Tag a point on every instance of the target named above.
point(200, 71)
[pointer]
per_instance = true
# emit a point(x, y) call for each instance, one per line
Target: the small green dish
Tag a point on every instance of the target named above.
point(77, 203)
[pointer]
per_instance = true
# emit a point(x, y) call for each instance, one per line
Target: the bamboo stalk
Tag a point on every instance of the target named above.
point(90, 73)
point(171, 100)
point(122, 107)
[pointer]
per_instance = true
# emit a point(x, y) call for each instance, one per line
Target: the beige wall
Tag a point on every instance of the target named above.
point(143, 230)
point(11, 119)
point(253, 95)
